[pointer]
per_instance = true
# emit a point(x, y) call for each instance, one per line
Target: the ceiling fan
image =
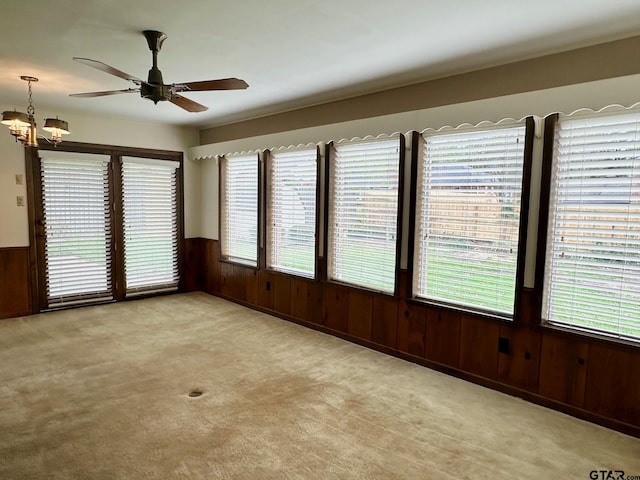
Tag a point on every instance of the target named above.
point(154, 88)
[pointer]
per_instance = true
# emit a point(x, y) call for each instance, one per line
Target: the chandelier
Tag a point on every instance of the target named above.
point(23, 125)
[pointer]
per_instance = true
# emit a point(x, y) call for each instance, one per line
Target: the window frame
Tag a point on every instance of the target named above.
point(268, 189)
point(523, 224)
point(328, 209)
point(36, 214)
point(543, 247)
point(259, 261)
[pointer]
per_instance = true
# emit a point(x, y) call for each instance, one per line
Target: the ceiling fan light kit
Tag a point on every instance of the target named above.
point(23, 125)
point(154, 88)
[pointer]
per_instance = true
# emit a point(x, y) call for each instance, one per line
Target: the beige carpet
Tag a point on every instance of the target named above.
point(102, 393)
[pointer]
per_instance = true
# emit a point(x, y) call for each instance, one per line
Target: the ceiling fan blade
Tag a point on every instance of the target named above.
point(106, 92)
point(207, 85)
point(187, 104)
point(103, 67)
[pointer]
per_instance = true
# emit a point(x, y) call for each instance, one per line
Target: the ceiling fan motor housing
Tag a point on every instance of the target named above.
point(155, 92)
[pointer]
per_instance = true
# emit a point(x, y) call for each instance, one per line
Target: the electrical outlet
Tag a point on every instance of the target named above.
point(19, 179)
point(503, 345)
point(20, 201)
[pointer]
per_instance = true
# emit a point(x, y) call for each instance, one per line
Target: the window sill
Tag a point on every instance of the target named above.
point(591, 336)
point(240, 262)
point(461, 309)
point(292, 273)
point(360, 287)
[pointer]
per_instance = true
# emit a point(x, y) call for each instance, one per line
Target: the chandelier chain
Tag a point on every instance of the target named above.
point(30, 110)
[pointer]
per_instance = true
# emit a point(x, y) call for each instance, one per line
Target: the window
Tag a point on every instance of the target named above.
point(468, 210)
point(150, 224)
point(592, 270)
point(77, 227)
point(364, 181)
point(239, 208)
point(108, 222)
point(291, 211)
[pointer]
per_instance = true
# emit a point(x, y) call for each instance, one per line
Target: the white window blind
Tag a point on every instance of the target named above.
point(150, 204)
point(592, 272)
point(239, 208)
point(363, 213)
point(468, 218)
point(291, 212)
point(77, 224)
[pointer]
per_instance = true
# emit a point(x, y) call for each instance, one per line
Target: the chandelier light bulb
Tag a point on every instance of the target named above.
point(16, 121)
point(56, 128)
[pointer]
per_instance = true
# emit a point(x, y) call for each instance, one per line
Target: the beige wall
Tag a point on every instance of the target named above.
point(608, 60)
point(14, 229)
point(13, 219)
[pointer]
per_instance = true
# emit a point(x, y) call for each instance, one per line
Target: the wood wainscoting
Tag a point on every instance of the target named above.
point(16, 288)
point(15, 282)
point(194, 267)
point(587, 377)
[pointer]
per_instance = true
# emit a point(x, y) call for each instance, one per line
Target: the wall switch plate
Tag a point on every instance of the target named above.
point(19, 179)
point(20, 201)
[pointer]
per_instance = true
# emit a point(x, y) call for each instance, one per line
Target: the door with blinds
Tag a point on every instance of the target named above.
point(108, 227)
point(150, 214)
point(77, 229)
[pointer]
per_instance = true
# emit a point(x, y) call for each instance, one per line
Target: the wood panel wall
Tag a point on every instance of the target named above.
point(584, 376)
point(15, 282)
point(15, 276)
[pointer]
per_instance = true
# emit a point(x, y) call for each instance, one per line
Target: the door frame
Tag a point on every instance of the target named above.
point(36, 213)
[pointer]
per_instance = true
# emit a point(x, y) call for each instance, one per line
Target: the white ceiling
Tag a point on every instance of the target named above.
point(293, 53)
